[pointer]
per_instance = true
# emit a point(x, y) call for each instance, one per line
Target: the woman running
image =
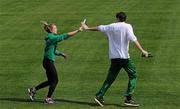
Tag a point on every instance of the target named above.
point(50, 52)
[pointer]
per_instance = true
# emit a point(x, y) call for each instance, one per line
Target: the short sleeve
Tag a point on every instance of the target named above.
point(130, 34)
point(103, 28)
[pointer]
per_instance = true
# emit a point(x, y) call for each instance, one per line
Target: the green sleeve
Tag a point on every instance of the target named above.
point(58, 53)
point(58, 38)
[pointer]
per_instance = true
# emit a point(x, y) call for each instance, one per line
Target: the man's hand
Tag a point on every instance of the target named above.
point(146, 54)
point(84, 26)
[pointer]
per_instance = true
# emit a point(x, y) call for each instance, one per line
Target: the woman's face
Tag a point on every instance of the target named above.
point(54, 29)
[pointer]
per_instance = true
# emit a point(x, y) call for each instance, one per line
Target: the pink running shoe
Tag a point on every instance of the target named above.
point(49, 101)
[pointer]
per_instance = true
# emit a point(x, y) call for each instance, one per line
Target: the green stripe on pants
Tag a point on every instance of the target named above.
point(131, 70)
point(116, 65)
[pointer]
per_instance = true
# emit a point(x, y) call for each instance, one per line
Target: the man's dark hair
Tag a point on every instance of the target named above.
point(121, 16)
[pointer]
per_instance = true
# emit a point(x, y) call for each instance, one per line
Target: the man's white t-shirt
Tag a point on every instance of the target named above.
point(119, 35)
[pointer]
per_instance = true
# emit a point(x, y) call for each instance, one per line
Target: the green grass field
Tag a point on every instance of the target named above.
point(156, 23)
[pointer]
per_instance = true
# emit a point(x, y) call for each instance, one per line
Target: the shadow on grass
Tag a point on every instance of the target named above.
point(20, 100)
point(59, 100)
point(87, 103)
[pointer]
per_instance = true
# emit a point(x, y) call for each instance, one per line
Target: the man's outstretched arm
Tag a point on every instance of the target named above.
point(89, 28)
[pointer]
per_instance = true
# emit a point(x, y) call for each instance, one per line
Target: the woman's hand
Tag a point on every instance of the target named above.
point(80, 29)
point(64, 55)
